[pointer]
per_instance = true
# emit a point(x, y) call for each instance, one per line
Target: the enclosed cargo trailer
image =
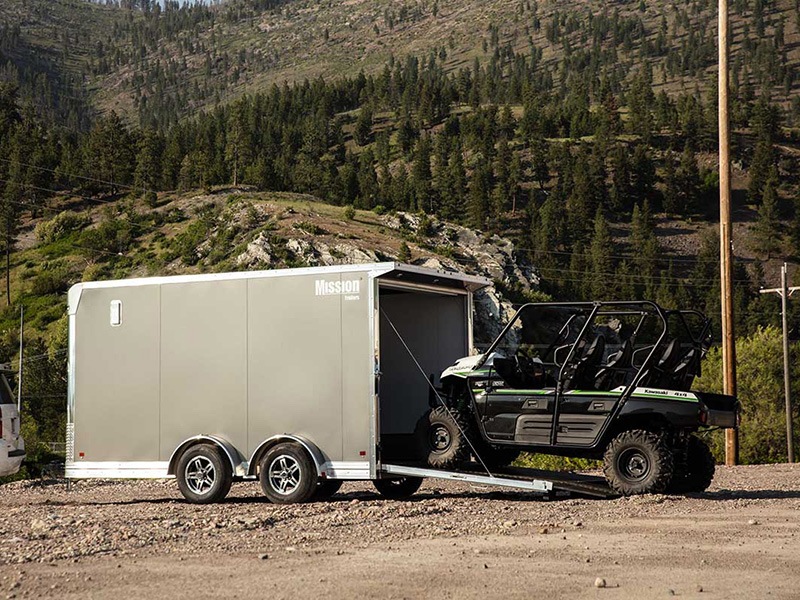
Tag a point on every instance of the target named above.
point(299, 377)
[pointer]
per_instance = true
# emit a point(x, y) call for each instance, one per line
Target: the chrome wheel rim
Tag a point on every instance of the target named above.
point(284, 474)
point(200, 475)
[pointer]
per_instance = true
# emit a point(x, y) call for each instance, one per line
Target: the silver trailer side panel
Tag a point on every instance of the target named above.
point(203, 362)
point(119, 420)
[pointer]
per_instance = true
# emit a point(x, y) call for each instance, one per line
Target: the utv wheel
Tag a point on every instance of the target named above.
point(440, 439)
point(287, 474)
point(327, 488)
point(638, 462)
point(204, 475)
point(398, 488)
point(698, 472)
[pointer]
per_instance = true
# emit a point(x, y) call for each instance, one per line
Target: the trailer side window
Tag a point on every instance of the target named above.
point(116, 313)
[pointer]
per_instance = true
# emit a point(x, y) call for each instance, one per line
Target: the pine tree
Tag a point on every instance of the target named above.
point(600, 252)
point(421, 175)
point(363, 129)
point(541, 171)
point(671, 187)
point(688, 176)
point(620, 193)
point(404, 256)
point(147, 177)
point(581, 202)
point(643, 173)
point(453, 197)
point(767, 227)
point(478, 209)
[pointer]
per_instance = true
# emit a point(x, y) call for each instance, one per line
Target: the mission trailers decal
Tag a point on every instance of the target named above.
point(349, 288)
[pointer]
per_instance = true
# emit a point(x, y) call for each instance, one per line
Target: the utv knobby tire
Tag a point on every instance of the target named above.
point(287, 474)
point(638, 462)
point(204, 475)
point(698, 472)
point(441, 439)
point(397, 488)
point(327, 488)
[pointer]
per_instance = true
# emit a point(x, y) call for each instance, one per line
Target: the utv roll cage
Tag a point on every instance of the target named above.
point(667, 362)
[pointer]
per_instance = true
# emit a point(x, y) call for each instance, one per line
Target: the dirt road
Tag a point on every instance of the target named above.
point(139, 540)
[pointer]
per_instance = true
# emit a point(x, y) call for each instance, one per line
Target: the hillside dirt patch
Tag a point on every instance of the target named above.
point(741, 539)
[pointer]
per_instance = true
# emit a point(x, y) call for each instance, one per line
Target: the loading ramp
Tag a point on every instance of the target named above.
point(545, 483)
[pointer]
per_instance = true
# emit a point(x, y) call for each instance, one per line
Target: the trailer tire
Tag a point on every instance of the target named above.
point(287, 474)
point(441, 439)
point(698, 471)
point(398, 488)
point(327, 488)
point(638, 462)
point(204, 475)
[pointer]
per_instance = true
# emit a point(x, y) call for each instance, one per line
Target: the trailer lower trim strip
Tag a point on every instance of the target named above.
point(117, 470)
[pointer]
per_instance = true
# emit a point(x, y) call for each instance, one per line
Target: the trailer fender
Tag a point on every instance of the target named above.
point(311, 448)
point(237, 461)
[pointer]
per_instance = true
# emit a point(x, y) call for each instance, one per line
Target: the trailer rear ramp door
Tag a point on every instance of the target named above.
point(546, 483)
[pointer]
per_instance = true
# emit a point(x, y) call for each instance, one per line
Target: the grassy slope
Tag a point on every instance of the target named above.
point(41, 272)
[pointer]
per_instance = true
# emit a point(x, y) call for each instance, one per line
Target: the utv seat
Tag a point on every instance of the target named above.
point(618, 371)
point(585, 370)
point(520, 372)
point(688, 368)
point(662, 375)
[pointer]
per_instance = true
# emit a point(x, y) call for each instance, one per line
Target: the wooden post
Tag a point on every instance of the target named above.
point(726, 250)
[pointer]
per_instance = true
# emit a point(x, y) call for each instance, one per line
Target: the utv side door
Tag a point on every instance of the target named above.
point(518, 403)
point(601, 370)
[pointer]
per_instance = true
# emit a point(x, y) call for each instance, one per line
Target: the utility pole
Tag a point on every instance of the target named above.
point(726, 245)
point(784, 292)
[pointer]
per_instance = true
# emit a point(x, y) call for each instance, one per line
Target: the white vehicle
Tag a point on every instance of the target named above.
point(12, 446)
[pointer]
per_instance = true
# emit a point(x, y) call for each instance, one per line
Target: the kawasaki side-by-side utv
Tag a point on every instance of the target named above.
point(601, 380)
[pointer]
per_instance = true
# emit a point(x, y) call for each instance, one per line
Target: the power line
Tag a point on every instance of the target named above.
point(70, 175)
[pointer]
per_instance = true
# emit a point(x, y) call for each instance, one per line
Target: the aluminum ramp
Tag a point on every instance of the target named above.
point(546, 483)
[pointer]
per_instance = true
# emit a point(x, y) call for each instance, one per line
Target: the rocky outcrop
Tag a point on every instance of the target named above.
point(434, 244)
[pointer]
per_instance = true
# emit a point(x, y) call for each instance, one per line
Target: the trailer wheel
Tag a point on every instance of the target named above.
point(698, 472)
point(327, 488)
point(441, 439)
point(204, 475)
point(287, 474)
point(397, 488)
point(638, 462)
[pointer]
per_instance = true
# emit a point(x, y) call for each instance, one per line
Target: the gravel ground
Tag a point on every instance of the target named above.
point(107, 539)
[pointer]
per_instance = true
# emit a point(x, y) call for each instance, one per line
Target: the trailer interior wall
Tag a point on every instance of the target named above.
point(435, 328)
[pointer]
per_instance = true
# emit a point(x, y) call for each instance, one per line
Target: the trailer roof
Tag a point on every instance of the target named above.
point(393, 270)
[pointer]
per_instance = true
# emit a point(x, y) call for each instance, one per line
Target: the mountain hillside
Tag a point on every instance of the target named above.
point(156, 64)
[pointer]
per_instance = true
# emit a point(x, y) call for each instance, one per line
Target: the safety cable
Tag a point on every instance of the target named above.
point(435, 391)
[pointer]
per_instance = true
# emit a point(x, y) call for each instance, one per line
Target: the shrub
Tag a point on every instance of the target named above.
point(60, 226)
point(349, 212)
point(759, 379)
point(54, 278)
